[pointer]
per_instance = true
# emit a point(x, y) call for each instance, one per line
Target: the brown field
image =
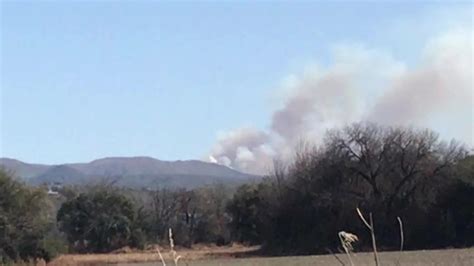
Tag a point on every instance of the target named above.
point(130, 256)
point(214, 256)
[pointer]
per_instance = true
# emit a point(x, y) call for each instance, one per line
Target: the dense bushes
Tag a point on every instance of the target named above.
point(98, 221)
point(102, 220)
point(387, 171)
point(246, 223)
point(454, 213)
point(24, 221)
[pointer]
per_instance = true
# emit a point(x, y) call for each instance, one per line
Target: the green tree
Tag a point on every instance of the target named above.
point(24, 220)
point(98, 221)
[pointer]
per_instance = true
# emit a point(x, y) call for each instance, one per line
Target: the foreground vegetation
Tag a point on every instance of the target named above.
point(298, 209)
point(27, 228)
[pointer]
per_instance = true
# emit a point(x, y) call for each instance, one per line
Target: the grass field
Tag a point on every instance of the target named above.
point(233, 256)
point(432, 257)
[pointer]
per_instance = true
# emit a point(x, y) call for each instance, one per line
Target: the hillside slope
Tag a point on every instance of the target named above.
point(137, 172)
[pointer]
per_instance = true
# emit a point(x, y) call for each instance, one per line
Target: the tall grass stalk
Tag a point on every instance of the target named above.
point(161, 256)
point(401, 232)
point(370, 226)
point(173, 252)
point(346, 242)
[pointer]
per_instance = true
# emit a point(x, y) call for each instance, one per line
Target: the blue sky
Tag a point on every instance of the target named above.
point(84, 80)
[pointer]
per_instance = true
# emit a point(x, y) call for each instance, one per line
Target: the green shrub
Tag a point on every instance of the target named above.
point(24, 220)
point(98, 221)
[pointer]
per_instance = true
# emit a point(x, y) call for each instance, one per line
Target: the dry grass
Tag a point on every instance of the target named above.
point(198, 252)
point(205, 255)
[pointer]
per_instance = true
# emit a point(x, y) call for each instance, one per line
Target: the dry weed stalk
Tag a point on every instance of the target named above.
point(401, 232)
point(346, 241)
point(370, 226)
point(161, 256)
point(173, 252)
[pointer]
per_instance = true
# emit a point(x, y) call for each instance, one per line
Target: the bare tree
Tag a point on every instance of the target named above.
point(164, 208)
point(393, 162)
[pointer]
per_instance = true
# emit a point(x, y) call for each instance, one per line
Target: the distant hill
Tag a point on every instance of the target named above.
point(59, 174)
point(21, 169)
point(136, 172)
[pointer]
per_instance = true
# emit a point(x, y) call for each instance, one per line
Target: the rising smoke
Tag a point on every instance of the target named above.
point(368, 85)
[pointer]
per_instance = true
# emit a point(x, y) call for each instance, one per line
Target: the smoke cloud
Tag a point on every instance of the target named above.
point(363, 84)
point(246, 149)
point(442, 82)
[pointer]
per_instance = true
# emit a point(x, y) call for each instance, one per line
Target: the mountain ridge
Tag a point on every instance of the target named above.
point(137, 171)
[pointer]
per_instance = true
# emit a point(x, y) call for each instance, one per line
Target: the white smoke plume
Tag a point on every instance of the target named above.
point(242, 149)
point(369, 85)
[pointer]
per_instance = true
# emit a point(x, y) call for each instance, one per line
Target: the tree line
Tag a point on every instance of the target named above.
point(297, 209)
point(387, 171)
point(104, 218)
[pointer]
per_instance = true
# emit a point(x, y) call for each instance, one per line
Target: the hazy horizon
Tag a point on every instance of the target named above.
point(233, 83)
